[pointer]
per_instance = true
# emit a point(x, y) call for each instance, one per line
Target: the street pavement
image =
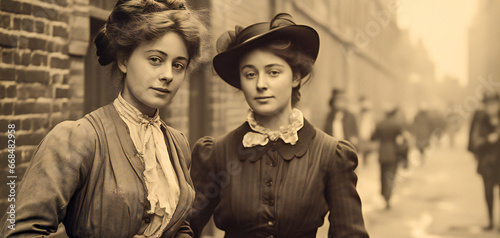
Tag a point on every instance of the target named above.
point(441, 198)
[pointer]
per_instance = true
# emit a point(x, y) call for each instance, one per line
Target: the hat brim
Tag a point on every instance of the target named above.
point(226, 63)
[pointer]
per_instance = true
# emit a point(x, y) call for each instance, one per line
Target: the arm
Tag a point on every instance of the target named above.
point(346, 219)
point(206, 200)
point(57, 170)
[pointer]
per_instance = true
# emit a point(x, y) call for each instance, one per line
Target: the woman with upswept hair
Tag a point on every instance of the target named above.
point(120, 171)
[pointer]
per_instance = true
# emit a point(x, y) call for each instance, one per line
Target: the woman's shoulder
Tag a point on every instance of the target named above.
point(81, 129)
point(231, 138)
point(337, 151)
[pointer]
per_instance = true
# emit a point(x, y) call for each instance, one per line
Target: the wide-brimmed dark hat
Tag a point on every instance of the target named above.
point(233, 44)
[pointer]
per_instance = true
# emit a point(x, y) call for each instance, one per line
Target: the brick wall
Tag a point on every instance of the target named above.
point(36, 62)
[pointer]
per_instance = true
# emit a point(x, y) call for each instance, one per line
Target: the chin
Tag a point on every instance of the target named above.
point(158, 103)
point(265, 110)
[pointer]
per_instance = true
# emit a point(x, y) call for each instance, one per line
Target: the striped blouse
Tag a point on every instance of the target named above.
point(276, 190)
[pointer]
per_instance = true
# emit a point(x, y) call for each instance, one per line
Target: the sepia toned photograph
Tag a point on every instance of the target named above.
point(247, 119)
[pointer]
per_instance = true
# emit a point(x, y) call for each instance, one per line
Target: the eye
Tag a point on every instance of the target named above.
point(274, 72)
point(178, 67)
point(250, 75)
point(155, 60)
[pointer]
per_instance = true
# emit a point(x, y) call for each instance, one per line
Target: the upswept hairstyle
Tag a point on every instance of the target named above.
point(133, 22)
point(300, 63)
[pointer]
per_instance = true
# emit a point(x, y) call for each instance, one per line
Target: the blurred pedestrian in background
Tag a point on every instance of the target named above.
point(366, 129)
point(389, 132)
point(422, 129)
point(486, 145)
point(340, 122)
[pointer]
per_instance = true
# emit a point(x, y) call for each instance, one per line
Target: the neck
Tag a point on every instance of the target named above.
point(275, 121)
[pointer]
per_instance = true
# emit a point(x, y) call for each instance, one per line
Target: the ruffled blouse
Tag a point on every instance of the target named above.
point(161, 180)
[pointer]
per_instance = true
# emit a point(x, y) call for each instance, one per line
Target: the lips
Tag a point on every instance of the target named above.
point(163, 90)
point(263, 97)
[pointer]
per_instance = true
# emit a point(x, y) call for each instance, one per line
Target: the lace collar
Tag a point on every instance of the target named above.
point(261, 135)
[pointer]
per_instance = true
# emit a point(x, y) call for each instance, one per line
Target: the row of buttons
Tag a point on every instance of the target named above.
point(269, 183)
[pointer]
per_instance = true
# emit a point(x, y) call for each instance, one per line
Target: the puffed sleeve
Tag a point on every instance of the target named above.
point(346, 219)
point(58, 168)
point(206, 187)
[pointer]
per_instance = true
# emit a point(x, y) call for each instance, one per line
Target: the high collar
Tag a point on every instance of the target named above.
point(286, 151)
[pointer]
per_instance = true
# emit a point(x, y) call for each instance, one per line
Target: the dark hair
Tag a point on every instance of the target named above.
point(133, 22)
point(300, 62)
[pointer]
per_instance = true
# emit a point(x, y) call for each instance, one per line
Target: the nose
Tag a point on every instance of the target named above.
point(167, 74)
point(262, 84)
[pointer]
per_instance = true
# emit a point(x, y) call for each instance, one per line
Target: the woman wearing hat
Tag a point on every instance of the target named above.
point(120, 171)
point(276, 175)
point(486, 143)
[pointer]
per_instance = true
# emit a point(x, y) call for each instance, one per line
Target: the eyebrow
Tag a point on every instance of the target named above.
point(267, 66)
point(274, 65)
point(165, 54)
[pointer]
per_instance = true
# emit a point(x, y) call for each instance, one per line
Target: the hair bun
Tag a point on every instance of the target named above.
point(104, 47)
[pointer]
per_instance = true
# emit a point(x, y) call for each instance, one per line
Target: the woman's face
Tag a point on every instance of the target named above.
point(266, 82)
point(154, 72)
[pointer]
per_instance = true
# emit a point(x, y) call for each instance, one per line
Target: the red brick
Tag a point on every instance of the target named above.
point(65, 79)
point(27, 25)
point(5, 21)
point(37, 43)
point(60, 31)
point(26, 124)
point(64, 17)
point(11, 91)
point(3, 139)
point(23, 42)
point(26, 8)
point(7, 40)
point(43, 12)
point(16, 122)
point(59, 63)
point(7, 74)
point(38, 59)
point(7, 108)
point(2, 92)
point(39, 27)
point(55, 47)
point(16, 23)
point(10, 6)
point(62, 3)
point(25, 91)
point(33, 76)
point(7, 57)
point(40, 123)
point(31, 107)
point(62, 93)
point(3, 125)
point(22, 58)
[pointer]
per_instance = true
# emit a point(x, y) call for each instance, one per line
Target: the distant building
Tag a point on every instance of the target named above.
point(484, 50)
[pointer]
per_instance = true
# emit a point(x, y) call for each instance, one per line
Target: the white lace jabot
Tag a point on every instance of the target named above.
point(261, 135)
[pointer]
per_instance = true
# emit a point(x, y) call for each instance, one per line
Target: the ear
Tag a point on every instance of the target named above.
point(296, 80)
point(122, 63)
